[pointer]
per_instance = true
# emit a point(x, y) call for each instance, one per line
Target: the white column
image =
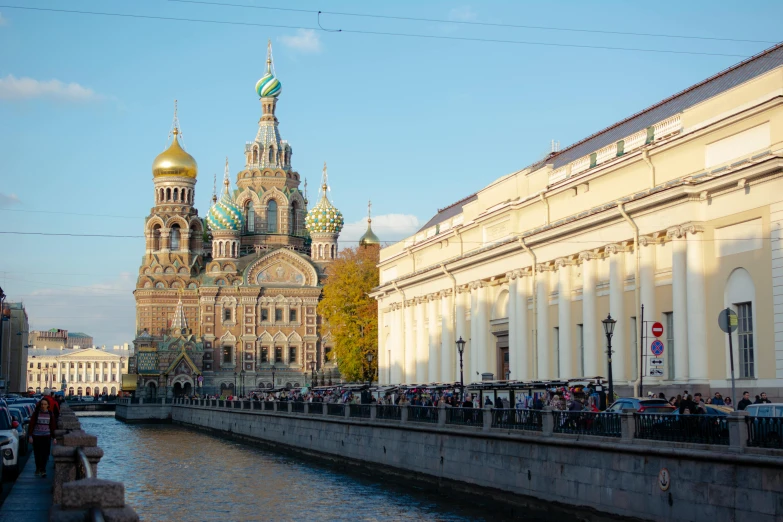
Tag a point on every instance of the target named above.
point(84, 374)
point(409, 375)
point(522, 370)
point(448, 346)
point(617, 310)
point(646, 294)
point(119, 371)
point(679, 305)
point(381, 355)
point(513, 325)
point(542, 325)
point(564, 319)
point(475, 340)
point(589, 315)
point(696, 300)
point(422, 350)
point(463, 332)
point(398, 345)
point(483, 333)
point(433, 361)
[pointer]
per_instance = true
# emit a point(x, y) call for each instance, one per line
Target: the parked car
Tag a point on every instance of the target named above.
point(641, 405)
point(10, 451)
point(765, 410)
point(713, 409)
point(21, 429)
point(766, 428)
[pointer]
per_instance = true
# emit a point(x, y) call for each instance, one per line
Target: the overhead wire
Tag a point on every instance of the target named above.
point(379, 33)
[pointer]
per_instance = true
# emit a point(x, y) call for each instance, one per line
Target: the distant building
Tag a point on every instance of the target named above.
point(79, 340)
point(13, 347)
point(85, 371)
point(56, 338)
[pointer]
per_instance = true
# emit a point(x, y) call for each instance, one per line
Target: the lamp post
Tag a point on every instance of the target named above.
point(273, 368)
point(330, 376)
point(242, 383)
point(370, 357)
point(461, 350)
point(609, 331)
point(5, 315)
point(312, 373)
point(235, 384)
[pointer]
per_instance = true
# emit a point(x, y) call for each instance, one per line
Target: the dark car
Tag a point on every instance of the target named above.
point(641, 405)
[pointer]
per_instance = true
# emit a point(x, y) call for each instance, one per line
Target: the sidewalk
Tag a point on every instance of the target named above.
point(31, 496)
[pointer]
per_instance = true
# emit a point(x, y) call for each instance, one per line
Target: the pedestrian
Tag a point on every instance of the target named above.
point(42, 425)
point(718, 399)
point(54, 407)
point(744, 402)
point(662, 396)
point(727, 401)
point(687, 406)
point(763, 399)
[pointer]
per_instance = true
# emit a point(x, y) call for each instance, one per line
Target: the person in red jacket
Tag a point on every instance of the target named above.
point(54, 406)
point(41, 430)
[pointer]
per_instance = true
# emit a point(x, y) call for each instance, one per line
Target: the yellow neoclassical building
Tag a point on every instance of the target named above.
point(677, 208)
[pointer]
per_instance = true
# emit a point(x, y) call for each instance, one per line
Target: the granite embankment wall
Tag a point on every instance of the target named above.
point(596, 477)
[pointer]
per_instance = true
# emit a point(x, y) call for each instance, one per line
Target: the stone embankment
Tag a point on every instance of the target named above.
point(598, 470)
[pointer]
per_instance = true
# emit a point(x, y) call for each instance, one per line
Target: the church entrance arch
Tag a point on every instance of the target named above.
point(151, 389)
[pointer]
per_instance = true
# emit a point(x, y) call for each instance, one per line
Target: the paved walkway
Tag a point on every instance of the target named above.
point(31, 496)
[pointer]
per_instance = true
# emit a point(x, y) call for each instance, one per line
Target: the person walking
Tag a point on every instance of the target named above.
point(763, 399)
point(745, 401)
point(42, 425)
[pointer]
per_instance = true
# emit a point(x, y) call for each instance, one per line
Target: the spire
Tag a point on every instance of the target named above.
point(226, 181)
point(369, 237)
point(305, 192)
point(175, 130)
point(325, 181)
point(214, 188)
point(179, 324)
point(369, 211)
point(270, 67)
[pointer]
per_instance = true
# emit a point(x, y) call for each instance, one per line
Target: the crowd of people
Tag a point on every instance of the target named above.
point(696, 403)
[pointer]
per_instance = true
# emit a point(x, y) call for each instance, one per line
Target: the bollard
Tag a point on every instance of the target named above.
point(403, 413)
point(548, 420)
point(441, 415)
point(274, 405)
point(347, 410)
point(738, 431)
point(487, 411)
point(65, 467)
point(627, 427)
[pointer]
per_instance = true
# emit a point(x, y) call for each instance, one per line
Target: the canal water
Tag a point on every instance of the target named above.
point(172, 473)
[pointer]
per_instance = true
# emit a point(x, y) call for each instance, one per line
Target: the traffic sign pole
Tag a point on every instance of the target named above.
point(727, 321)
point(731, 358)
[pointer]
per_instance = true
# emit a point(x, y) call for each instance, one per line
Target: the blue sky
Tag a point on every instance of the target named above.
point(412, 123)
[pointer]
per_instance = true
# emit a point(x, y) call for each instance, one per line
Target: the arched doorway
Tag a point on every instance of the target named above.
point(105, 390)
point(187, 389)
point(226, 389)
point(87, 391)
point(70, 391)
point(113, 390)
point(79, 391)
point(178, 389)
point(152, 389)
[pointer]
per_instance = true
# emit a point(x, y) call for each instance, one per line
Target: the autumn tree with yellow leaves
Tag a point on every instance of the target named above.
point(350, 314)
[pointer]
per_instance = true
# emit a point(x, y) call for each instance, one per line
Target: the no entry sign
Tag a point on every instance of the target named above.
point(657, 329)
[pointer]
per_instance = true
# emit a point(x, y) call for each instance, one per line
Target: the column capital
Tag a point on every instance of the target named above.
point(588, 255)
point(545, 267)
point(647, 240)
point(677, 232)
point(561, 262)
point(475, 285)
point(461, 289)
point(692, 228)
point(615, 248)
point(444, 293)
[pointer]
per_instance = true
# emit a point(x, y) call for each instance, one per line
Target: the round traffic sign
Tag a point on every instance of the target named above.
point(656, 347)
point(657, 329)
point(727, 320)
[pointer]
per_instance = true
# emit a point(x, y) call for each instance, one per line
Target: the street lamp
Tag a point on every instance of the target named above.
point(273, 368)
point(235, 383)
point(461, 350)
point(242, 383)
point(609, 324)
point(370, 357)
point(312, 373)
point(330, 376)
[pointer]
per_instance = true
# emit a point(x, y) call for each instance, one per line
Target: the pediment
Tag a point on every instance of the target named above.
point(281, 268)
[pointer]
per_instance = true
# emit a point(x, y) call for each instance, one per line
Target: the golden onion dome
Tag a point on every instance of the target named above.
point(174, 161)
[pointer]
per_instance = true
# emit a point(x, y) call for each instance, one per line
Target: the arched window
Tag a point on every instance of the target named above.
point(271, 216)
point(156, 238)
point(233, 249)
point(176, 194)
point(293, 219)
point(334, 251)
point(175, 235)
point(255, 155)
point(271, 154)
point(168, 194)
point(250, 217)
point(161, 196)
point(220, 249)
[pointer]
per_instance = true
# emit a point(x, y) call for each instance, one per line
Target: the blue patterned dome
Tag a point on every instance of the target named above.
point(324, 217)
point(224, 214)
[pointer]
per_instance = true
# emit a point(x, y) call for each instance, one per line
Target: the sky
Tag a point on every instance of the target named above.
point(413, 123)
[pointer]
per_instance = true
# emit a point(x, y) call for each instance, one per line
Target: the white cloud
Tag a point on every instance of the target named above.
point(389, 228)
point(306, 41)
point(13, 88)
point(3, 21)
point(462, 14)
point(9, 200)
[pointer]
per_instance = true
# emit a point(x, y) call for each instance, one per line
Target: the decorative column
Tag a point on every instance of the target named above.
point(119, 371)
point(381, 355)
point(617, 310)
point(542, 322)
point(447, 340)
point(409, 375)
point(589, 315)
point(696, 301)
point(646, 295)
point(433, 361)
point(679, 305)
point(522, 349)
point(513, 324)
point(483, 357)
point(475, 341)
point(564, 318)
point(462, 296)
point(397, 362)
point(422, 348)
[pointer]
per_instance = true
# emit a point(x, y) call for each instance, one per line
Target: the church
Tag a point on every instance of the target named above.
point(227, 303)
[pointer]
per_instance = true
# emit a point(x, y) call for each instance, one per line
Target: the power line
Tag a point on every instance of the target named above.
point(485, 24)
point(65, 213)
point(380, 33)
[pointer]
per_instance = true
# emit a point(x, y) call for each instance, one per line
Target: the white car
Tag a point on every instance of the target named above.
point(10, 451)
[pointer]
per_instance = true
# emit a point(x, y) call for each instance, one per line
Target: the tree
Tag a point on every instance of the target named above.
point(350, 314)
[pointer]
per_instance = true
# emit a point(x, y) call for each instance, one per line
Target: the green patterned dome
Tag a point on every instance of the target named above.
point(324, 218)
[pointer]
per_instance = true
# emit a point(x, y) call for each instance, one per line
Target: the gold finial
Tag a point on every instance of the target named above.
point(305, 191)
point(269, 55)
point(369, 211)
point(226, 182)
point(214, 188)
point(175, 124)
point(324, 180)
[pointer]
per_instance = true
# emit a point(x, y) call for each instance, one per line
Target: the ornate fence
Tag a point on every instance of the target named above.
point(587, 423)
point(699, 429)
point(517, 419)
point(423, 414)
point(765, 432)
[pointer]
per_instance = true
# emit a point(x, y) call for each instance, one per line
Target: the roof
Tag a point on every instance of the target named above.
point(78, 334)
point(735, 75)
point(69, 352)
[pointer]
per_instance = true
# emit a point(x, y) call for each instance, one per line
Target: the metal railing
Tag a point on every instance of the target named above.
point(423, 414)
point(388, 412)
point(517, 419)
point(337, 409)
point(587, 423)
point(361, 411)
point(297, 407)
point(237, 405)
point(698, 429)
point(465, 416)
point(765, 432)
point(269, 405)
point(83, 468)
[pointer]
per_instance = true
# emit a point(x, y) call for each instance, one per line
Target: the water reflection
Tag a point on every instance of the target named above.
point(171, 473)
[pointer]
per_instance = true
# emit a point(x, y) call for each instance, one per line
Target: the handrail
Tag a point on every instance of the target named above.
point(83, 465)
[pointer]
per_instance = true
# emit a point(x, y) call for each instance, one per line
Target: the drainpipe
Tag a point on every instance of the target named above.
point(535, 296)
point(542, 198)
point(637, 284)
point(646, 158)
point(453, 300)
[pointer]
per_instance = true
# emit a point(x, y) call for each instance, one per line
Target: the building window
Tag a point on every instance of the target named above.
point(71, 365)
point(291, 354)
point(264, 315)
point(31, 365)
point(271, 217)
point(227, 354)
point(668, 319)
point(250, 217)
point(745, 337)
point(264, 354)
point(39, 366)
point(580, 338)
point(227, 314)
point(175, 235)
point(292, 315)
point(278, 354)
point(278, 314)
point(556, 342)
